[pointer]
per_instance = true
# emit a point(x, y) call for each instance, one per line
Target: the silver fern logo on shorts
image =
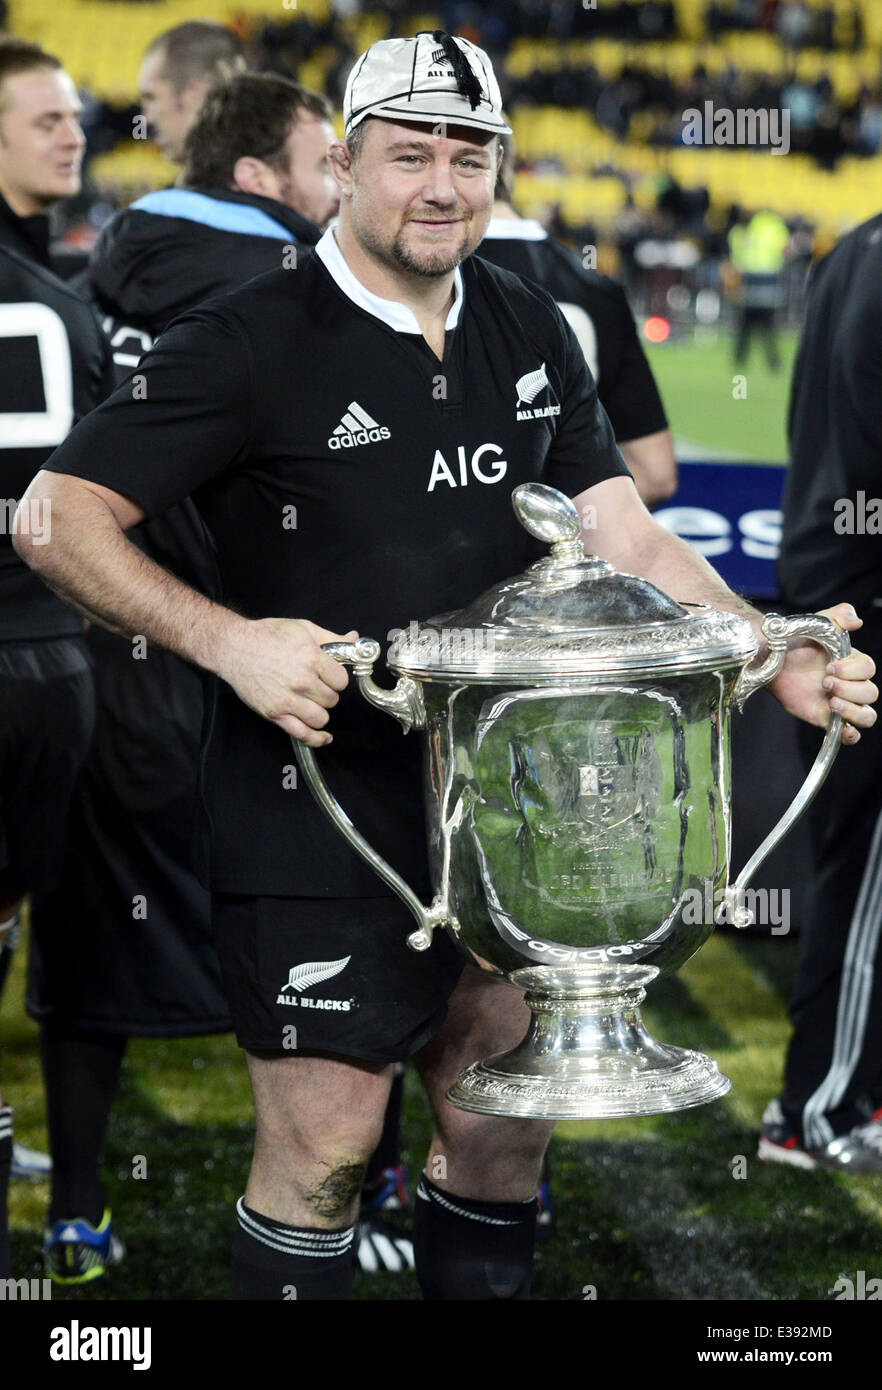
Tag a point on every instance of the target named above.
point(314, 972)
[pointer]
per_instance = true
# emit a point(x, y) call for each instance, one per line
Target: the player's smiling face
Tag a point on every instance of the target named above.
point(420, 200)
point(41, 141)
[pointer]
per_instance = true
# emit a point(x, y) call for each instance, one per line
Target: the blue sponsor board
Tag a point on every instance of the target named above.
point(731, 513)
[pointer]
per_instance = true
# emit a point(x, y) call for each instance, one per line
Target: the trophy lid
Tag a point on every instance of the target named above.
point(569, 615)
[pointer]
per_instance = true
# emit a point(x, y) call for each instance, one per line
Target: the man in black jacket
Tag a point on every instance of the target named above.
point(255, 175)
point(829, 1112)
point(103, 968)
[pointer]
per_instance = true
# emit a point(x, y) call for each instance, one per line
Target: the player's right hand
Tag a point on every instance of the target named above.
point(277, 666)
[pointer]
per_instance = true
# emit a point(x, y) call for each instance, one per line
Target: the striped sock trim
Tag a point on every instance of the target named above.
point(431, 1194)
point(5, 1121)
point(294, 1240)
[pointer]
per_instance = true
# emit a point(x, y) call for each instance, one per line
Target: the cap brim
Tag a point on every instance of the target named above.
point(451, 112)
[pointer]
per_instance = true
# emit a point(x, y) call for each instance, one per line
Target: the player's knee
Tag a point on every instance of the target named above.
point(485, 1140)
point(331, 1190)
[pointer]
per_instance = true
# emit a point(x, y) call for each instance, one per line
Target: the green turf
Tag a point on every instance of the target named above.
point(647, 1209)
point(697, 381)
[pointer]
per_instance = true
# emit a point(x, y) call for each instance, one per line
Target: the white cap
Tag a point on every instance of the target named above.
point(430, 78)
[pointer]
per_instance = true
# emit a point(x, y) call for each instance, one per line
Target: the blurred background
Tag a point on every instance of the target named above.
point(596, 97)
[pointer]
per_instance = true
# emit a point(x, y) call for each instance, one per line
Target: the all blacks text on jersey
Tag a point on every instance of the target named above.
point(528, 388)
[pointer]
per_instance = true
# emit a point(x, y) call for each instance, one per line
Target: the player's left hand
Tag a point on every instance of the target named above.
point(813, 688)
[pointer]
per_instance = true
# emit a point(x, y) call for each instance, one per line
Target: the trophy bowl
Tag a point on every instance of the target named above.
point(577, 794)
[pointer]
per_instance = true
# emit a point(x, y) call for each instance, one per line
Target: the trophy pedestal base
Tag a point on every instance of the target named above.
point(587, 1055)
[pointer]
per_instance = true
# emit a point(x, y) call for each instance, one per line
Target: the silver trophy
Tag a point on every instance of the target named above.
point(577, 795)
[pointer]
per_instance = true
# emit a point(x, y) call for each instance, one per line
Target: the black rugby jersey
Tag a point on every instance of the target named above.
point(835, 433)
point(599, 314)
point(54, 367)
point(348, 476)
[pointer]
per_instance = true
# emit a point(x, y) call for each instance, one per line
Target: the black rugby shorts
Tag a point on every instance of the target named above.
point(339, 971)
point(47, 714)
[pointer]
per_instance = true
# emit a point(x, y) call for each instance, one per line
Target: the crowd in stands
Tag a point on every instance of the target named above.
point(548, 55)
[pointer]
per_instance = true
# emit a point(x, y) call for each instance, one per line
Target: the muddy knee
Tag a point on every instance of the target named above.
point(334, 1189)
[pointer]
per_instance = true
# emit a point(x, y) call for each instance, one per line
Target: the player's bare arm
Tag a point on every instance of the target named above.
point(275, 665)
point(620, 529)
point(653, 465)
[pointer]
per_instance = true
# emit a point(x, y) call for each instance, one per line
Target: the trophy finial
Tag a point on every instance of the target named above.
point(550, 516)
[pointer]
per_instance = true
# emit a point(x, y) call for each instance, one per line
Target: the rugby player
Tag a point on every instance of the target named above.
point(600, 316)
point(255, 177)
point(374, 392)
point(54, 367)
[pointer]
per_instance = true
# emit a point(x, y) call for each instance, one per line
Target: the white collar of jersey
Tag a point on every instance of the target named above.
point(398, 316)
point(514, 229)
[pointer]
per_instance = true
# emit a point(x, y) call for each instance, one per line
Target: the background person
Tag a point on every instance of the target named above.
point(598, 313)
point(178, 68)
point(55, 367)
point(100, 970)
point(757, 251)
point(829, 1114)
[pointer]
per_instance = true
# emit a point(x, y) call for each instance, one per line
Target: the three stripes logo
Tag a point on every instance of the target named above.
point(314, 972)
point(356, 427)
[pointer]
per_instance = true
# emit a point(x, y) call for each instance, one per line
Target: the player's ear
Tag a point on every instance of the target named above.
point(250, 175)
point(341, 165)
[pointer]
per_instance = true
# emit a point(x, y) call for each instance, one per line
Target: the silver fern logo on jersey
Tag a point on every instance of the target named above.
point(528, 388)
point(314, 972)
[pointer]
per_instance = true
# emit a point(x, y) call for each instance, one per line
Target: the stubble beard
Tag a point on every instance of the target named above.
point(430, 264)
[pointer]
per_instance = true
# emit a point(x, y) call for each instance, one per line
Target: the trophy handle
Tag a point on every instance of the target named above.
point(405, 703)
point(779, 632)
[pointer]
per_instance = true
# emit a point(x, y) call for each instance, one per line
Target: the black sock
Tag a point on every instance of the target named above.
point(388, 1152)
point(275, 1261)
point(468, 1250)
point(81, 1072)
point(5, 1164)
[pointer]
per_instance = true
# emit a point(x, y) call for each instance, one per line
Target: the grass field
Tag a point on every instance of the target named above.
point(696, 384)
point(647, 1209)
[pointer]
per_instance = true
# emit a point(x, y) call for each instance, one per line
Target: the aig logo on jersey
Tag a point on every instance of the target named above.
point(314, 972)
point(528, 388)
point(356, 427)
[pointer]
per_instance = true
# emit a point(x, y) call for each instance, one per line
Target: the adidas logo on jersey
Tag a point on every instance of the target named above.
point(528, 388)
point(314, 972)
point(356, 427)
